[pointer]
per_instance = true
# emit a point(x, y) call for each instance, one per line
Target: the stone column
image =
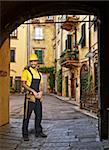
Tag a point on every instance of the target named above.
point(104, 72)
point(4, 82)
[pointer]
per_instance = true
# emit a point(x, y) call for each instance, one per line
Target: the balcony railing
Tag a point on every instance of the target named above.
point(69, 58)
point(70, 23)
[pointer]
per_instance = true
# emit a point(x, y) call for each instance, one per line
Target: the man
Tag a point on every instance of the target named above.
point(33, 84)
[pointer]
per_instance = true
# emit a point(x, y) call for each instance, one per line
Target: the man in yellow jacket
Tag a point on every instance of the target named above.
point(33, 83)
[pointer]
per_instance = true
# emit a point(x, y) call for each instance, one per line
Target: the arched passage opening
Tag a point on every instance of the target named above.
point(37, 9)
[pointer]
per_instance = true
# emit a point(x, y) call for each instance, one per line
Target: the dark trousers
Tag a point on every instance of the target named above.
point(28, 108)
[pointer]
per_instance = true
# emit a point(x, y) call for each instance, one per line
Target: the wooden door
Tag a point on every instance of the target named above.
point(72, 86)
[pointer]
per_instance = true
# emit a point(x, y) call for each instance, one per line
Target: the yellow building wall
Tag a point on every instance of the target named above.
point(65, 73)
point(46, 44)
point(83, 51)
point(21, 44)
point(49, 52)
point(20, 52)
point(4, 82)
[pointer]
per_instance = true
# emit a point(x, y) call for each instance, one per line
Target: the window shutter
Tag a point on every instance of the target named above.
point(39, 54)
point(83, 33)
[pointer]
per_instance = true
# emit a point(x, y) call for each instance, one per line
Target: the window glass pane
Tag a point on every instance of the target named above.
point(11, 80)
point(50, 17)
point(12, 56)
point(14, 34)
point(39, 33)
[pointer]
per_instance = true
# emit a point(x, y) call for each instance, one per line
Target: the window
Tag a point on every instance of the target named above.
point(50, 18)
point(84, 35)
point(66, 44)
point(69, 40)
point(39, 33)
point(75, 37)
point(40, 56)
point(64, 17)
point(14, 34)
point(12, 55)
point(11, 81)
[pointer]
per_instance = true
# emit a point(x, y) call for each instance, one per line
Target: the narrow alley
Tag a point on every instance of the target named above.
point(67, 128)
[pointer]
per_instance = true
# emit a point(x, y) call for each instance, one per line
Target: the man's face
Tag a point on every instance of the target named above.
point(33, 63)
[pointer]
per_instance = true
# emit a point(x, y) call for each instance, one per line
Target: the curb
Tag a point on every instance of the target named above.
point(75, 106)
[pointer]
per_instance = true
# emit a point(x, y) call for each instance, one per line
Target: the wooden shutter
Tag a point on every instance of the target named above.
point(40, 58)
point(83, 32)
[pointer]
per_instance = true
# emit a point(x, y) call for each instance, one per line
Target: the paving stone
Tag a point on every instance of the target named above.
point(7, 146)
point(54, 148)
point(87, 145)
point(56, 144)
point(67, 128)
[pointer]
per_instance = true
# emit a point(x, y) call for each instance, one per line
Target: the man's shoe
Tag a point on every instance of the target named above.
point(36, 134)
point(42, 135)
point(26, 138)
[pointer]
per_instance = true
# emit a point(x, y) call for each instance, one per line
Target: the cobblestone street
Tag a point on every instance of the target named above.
point(66, 127)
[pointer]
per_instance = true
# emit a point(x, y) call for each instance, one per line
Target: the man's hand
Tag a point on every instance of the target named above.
point(34, 93)
point(39, 95)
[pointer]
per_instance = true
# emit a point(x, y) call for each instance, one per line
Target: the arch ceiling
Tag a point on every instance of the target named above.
point(14, 13)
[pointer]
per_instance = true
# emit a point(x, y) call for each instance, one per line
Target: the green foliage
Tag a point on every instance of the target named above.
point(88, 84)
point(59, 82)
point(52, 81)
point(51, 71)
point(12, 90)
point(47, 69)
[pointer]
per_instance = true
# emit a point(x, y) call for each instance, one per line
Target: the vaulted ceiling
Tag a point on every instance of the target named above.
point(14, 13)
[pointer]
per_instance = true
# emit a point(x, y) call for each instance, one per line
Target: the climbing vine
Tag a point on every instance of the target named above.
point(51, 78)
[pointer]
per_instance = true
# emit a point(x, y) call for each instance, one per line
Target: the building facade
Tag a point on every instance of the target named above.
point(76, 56)
point(69, 43)
point(34, 36)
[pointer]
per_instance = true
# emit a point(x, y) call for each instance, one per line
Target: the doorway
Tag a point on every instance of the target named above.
point(72, 86)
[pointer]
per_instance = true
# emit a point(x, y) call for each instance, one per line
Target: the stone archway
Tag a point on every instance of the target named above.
point(11, 19)
point(28, 10)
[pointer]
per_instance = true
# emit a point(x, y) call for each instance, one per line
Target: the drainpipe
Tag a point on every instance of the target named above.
point(89, 44)
point(28, 41)
point(62, 50)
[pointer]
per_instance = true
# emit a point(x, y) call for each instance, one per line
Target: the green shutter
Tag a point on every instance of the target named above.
point(39, 53)
point(40, 56)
